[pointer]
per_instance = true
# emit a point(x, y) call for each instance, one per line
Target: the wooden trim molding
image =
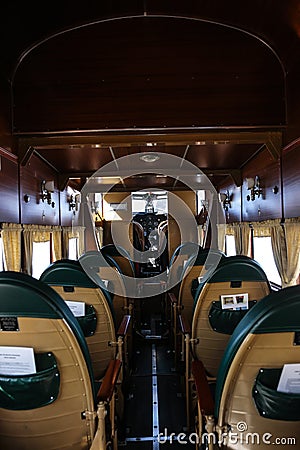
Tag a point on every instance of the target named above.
point(291, 146)
point(8, 155)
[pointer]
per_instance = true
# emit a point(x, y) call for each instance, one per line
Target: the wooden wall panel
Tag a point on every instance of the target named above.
point(67, 216)
point(6, 140)
point(189, 198)
point(269, 205)
point(291, 181)
point(293, 105)
point(148, 72)
point(9, 205)
point(36, 211)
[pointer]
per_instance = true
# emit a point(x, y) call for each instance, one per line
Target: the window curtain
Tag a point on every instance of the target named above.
point(263, 229)
point(279, 251)
point(200, 235)
point(221, 236)
point(242, 234)
point(33, 233)
point(56, 242)
point(11, 237)
point(291, 229)
point(71, 233)
point(285, 239)
point(274, 229)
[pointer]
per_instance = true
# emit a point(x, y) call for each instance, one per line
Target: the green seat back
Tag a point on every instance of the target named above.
point(120, 256)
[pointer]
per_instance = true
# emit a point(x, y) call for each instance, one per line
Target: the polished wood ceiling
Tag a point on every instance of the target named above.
point(202, 80)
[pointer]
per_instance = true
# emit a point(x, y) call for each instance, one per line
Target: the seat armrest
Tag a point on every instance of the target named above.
point(205, 398)
point(172, 298)
point(109, 381)
point(184, 326)
point(123, 328)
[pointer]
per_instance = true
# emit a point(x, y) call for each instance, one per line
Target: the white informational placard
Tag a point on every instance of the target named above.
point(289, 381)
point(235, 301)
point(17, 361)
point(77, 308)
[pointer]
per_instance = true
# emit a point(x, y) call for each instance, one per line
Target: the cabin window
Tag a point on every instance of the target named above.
point(41, 257)
point(138, 204)
point(149, 202)
point(110, 211)
point(73, 248)
point(263, 254)
point(97, 206)
point(201, 202)
point(230, 249)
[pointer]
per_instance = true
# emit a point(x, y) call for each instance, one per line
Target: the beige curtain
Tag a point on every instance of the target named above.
point(221, 236)
point(28, 247)
point(285, 241)
point(242, 234)
point(11, 237)
point(274, 229)
point(292, 240)
point(70, 233)
point(200, 235)
point(56, 242)
point(279, 250)
point(263, 229)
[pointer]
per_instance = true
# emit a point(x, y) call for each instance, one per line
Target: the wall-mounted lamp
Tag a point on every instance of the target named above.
point(253, 184)
point(225, 198)
point(73, 201)
point(47, 189)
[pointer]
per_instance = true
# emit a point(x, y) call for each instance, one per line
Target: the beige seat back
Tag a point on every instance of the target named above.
point(54, 407)
point(69, 280)
point(212, 323)
point(195, 269)
point(249, 390)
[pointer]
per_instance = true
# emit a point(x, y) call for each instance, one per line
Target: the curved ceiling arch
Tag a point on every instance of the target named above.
point(148, 71)
point(32, 47)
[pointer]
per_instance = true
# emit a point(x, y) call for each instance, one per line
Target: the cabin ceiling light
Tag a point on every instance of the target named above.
point(225, 199)
point(149, 157)
point(253, 185)
point(47, 189)
point(108, 180)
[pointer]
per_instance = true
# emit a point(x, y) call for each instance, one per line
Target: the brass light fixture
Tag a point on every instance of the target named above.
point(225, 199)
point(253, 185)
point(47, 189)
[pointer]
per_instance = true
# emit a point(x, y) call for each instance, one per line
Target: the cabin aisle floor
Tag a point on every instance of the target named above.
point(154, 399)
